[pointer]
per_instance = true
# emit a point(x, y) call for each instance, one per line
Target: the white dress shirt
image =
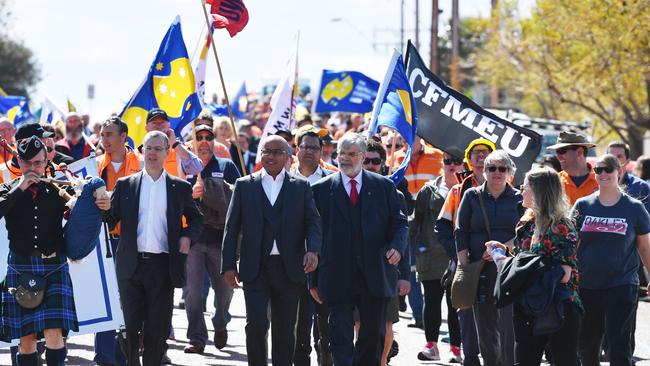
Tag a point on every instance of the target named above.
point(348, 186)
point(152, 214)
point(315, 177)
point(272, 188)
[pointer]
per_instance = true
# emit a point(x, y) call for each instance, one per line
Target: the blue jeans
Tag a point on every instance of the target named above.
point(416, 300)
point(107, 349)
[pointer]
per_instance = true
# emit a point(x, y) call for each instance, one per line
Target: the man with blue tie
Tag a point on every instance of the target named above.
point(364, 238)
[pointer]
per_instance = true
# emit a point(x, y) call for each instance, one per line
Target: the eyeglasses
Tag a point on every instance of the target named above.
point(273, 152)
point(344, 154)
point(204, 137)
point(452, 161)
point(480, 151)
point(373, 161)
point(563, 150)
point(312, 148)
point(601, 169)
point(35, 164)
point(49, 149)
point(501, 169)
point(397, 146)
point(156, 149)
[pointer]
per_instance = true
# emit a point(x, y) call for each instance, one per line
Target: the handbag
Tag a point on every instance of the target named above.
point(464, 287)
point(30, 291)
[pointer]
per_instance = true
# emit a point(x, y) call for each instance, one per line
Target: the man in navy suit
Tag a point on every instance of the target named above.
point(280, 241)
point(364, 238)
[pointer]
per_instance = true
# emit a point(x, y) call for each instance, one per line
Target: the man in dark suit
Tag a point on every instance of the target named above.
point(364, 240)
point(151, 252)
point(281, 239)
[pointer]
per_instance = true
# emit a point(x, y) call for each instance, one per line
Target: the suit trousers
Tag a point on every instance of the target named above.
point(372, 327)
point(147, 299)
point(200, 257)
point(303, 329)
point(274, 286)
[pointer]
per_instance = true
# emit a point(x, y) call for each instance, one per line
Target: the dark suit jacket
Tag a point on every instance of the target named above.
point(384, 227)
point(301, 230)
point(125, 203)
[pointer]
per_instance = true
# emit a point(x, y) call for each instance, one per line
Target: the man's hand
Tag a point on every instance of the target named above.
point(404, 287)
point(27, 180)
point(197, 190)
point(103, 202)
point(393, 256)
point(232, 278)
point(310, 262)
point(314, 294)
point(184, 244)
point(171, 135)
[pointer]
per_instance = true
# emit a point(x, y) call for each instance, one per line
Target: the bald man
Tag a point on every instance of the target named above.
point(281, 239)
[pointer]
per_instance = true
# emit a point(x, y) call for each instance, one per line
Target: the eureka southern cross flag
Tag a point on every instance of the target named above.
point(345, 91)
point(16, 109)
point(169, 85)
point(395, 108)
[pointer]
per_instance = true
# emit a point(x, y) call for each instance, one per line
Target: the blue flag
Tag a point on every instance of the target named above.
point(345, 91)
point(218, 109)
point(16, 109)
point(395, 108)
point(169, 85)
point(239, 105)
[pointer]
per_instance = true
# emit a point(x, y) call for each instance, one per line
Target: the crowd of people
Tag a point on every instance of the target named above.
point(326, 249)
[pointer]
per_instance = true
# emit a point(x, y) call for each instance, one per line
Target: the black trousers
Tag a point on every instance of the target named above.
point(303, 328)
point(563, 343)
point(372, 327)
point(323, 329)
point(272, 285)
point(147, 299)
point(433, 293)
point(608, 311)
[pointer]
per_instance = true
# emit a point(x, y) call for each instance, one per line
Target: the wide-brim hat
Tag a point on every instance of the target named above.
point(571, 139)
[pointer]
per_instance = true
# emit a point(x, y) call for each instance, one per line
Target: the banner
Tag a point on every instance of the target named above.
point(448, 119)
point(345, 91)
point(93, 278)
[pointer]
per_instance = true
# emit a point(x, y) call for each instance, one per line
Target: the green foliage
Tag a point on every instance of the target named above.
point(19, 70)
point(574, 60)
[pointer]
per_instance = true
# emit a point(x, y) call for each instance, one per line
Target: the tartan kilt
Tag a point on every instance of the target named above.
point(57, 309)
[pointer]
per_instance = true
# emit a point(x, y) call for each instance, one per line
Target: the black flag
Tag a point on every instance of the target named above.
point(448, 119)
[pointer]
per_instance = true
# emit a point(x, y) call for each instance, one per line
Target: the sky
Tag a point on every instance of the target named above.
point(111, 44)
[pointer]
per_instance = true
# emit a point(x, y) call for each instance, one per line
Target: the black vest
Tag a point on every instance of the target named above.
point(357, 233)
point(272, 223)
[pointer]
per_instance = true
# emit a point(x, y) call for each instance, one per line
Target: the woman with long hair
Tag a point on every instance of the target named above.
point(547, 229)
point(614, 234)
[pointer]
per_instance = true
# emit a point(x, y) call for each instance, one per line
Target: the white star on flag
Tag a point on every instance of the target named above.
point(173, 94)
point(163, 88)
point(182, 72)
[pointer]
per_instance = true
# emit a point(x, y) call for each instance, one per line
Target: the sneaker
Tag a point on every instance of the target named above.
point(429, 353)
point(393, 351)
point(416, 324)
point(455, 355)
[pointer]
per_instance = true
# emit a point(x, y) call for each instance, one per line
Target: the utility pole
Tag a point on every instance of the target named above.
point(401, 26)
point(494, 91)
point(435, 11)
point(455, 44)
point(417, 24)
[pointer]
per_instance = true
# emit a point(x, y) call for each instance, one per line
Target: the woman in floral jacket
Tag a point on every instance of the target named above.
point(547, 229)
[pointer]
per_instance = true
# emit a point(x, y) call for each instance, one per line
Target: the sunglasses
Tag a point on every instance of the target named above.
point(452, 161)
point(601, 169)
point(501, 169)
point(564, 150)
point(204, 137)
point(373, 161)
point(397, 146)
point(49, 149)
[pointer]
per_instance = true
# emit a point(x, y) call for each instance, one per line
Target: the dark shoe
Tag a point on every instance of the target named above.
point(181, 304)
point(193, 349)
point(166, 360)
point(416, 324)
point(220, 338)
point(393, 351)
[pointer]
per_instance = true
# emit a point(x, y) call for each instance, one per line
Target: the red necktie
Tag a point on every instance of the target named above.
point(354, 195)
point(33, 189)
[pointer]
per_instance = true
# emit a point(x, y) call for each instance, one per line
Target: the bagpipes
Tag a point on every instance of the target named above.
point(82, 229)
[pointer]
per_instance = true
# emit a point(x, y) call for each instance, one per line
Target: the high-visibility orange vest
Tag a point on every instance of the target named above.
point(425, 167)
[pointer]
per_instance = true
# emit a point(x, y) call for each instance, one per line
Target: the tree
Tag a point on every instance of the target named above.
point(575, 59)
point(19, 70)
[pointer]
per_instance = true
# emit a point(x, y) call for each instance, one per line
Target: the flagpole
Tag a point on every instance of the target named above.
point(223, 86)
